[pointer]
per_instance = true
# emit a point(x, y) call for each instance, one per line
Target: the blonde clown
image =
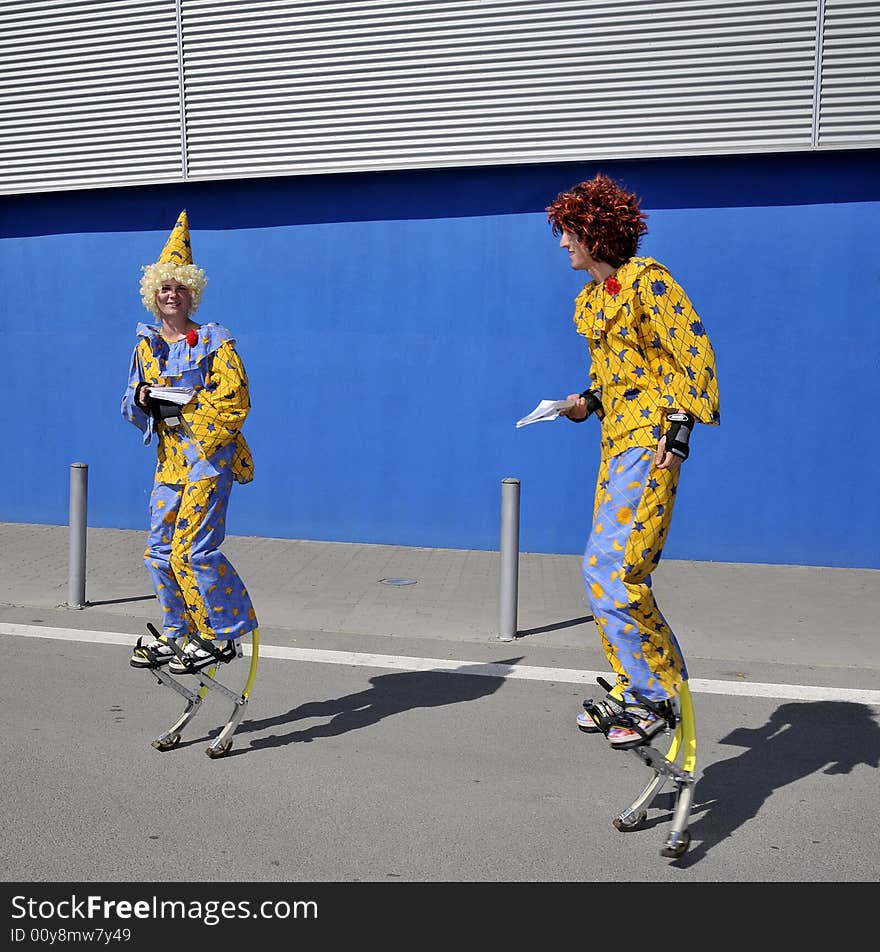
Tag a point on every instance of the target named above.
point(175, 263)
point(201, 451)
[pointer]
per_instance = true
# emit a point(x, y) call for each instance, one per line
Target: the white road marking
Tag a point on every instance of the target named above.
point(795, 692)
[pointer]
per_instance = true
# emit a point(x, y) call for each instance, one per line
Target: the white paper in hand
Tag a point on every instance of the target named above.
point(545, 410)
point(179, 395)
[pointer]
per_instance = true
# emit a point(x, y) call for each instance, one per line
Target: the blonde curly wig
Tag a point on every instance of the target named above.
point(155, 275)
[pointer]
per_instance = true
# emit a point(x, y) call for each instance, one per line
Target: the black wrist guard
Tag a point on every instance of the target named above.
point(594, 405)
point(138, 390)
point(164, 410)
point(679, 433)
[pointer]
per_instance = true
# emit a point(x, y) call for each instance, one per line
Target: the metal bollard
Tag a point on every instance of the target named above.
point(509, 587)
point(76, 579)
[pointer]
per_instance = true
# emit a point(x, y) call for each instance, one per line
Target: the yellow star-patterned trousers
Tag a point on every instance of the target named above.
point(631, 516)
point(196, 585)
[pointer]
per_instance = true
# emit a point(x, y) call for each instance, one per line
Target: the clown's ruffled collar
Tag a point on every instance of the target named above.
point(180, 355)
point(209, 337)
point(600, 303)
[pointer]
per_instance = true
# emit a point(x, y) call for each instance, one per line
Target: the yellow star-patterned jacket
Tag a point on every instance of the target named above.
point(210, 439)
point(650, 354)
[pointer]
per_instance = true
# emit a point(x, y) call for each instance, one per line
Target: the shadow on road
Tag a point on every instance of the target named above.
point(799, 739)
point(121, 601)
point(570, 623)
point(390, 694)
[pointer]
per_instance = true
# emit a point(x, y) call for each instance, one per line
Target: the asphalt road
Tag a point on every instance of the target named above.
point(359, 773)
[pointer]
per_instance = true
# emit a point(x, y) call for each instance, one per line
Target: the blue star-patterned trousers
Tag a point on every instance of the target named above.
point(631, 517)
point(199, 590)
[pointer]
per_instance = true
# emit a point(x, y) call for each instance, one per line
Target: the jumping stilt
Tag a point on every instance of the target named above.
point(194, 698)
point(678, 764)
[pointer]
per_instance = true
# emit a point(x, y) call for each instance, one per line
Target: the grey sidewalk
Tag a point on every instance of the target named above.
point(782, 624)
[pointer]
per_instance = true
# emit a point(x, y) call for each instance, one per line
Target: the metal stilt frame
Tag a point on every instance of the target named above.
point(222, 744)
point(677, 764)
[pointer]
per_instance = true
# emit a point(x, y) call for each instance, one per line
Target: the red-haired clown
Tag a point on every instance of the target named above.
point(651, 379)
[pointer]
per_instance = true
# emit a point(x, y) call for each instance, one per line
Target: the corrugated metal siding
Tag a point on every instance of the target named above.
point(849, 104)
point(89, 94)
point(118, 92)
point(328, 86)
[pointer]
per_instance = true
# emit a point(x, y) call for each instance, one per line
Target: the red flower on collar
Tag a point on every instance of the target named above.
point(192, 338)
point(612, 285)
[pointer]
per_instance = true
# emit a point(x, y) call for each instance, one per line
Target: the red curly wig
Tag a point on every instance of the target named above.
point(603, 216)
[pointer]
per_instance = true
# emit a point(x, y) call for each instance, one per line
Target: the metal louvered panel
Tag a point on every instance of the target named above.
point(89, 94)
point(281, 88)
point(95, 92)
point(849, 103)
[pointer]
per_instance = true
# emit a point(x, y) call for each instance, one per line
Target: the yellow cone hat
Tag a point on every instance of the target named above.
point(174, 262)
point(177, 249)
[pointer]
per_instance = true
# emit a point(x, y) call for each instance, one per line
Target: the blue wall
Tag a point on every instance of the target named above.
point(395, 326)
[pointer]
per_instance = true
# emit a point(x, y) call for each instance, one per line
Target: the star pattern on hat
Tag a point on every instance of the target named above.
point(178, 249)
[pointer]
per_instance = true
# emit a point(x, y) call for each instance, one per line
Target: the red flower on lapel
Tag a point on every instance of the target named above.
point(612, 285)
point(192, 338)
